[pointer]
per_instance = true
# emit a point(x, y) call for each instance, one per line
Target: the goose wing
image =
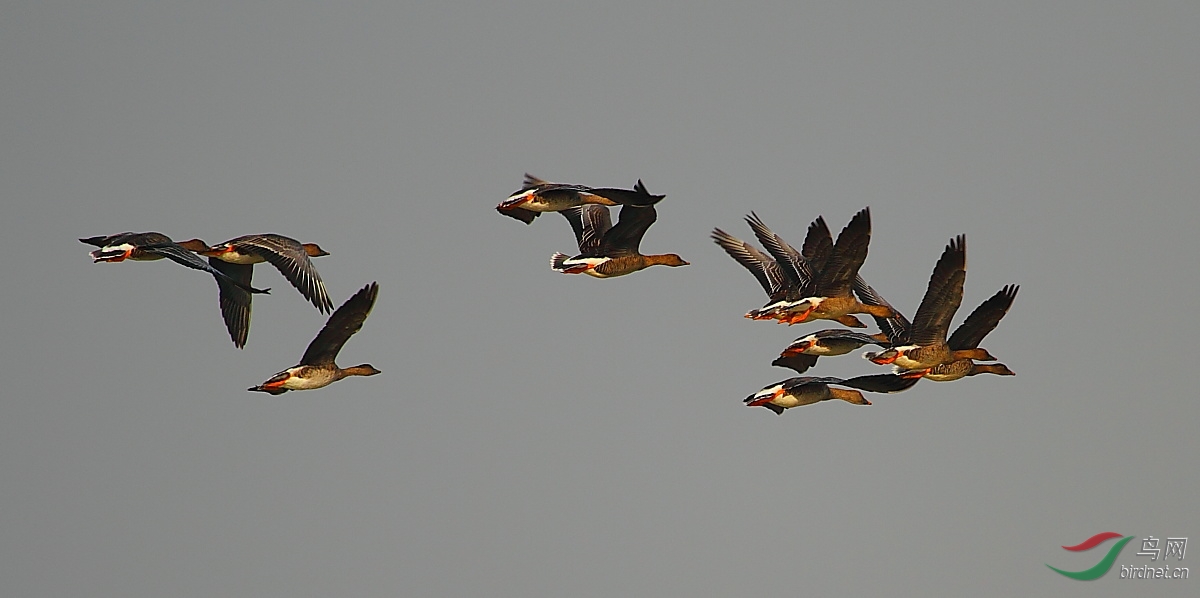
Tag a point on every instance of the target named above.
point(344, 322)
point(289, 257)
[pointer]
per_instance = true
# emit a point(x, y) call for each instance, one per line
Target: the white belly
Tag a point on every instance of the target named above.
point(308, 378)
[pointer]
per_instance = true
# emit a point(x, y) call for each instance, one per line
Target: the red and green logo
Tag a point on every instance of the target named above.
point(1105, 563)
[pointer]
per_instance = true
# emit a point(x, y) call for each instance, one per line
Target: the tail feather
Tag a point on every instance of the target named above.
point(648, 198)
point(100, 255)
point(557, 261)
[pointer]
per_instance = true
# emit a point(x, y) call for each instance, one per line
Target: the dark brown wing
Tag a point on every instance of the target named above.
point(983, 320)
point(235, 301)
point(943, 296)
point(179, 255)
point(638, 197)
point(626, 236)
point(800, 363)
point(590, 222)
point(885, 383)
point(531, 182)
point(290, 258)
point(765, 269)
point(896, 327)
point(792, 264)
point(104, 240)
point(818, 245)
point(567, 194)
point(344, 322)
point(793, 383)
point(521, 214)
point(140, 239)
point(176, 253)
point(849, 253)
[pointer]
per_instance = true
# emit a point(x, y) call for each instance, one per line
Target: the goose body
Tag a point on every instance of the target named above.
point(317, 368)
point(607, 251)
point(537, 196)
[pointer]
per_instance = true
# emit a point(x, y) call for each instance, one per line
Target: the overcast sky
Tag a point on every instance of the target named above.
point(535, 434)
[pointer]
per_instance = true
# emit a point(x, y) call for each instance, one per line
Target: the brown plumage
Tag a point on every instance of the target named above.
point(536, 196)
point(830, 297)
point(926, 345)
point(803, 390)
point(236, 259)
point(609, 252)
point(964, 341)
point(822, 275)
point(317, 368)
point(154, 246)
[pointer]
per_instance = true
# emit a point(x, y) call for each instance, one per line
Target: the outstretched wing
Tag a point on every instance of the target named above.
point(289, 257)
point(885, 383)
point(896, 327)
point(791, 263)
point(793, 383)
point(532, 182)
point(639, 196)
point(344, 322)
point(235, 301)
point(800, 363)
point(765, 269)
point(849, 253)
point(983, 320)
point(521, 214)
point(626, 236)
point(818, 245)
point(104, 240)
point(943, 295)
point(590, 222)
point(179, 255)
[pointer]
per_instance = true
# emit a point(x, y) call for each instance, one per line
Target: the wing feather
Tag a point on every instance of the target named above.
point(983, 320)
point(344, 322)
point(289, 257)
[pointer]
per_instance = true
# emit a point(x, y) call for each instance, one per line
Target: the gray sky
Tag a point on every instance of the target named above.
point(535, 434)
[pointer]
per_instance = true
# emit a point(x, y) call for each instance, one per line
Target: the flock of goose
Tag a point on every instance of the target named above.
point(821, 282)
point(818, 282)
point(232, 264)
